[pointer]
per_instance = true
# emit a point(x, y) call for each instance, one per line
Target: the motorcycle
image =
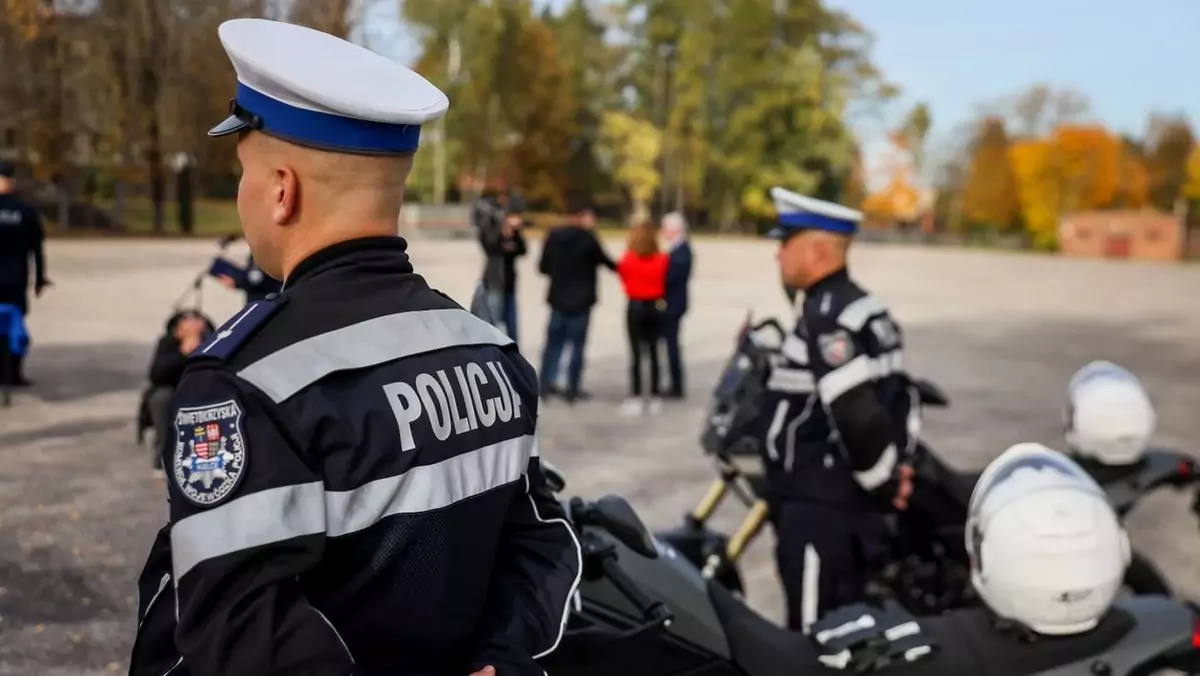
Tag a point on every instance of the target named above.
point(926, 569)
point(643, 608)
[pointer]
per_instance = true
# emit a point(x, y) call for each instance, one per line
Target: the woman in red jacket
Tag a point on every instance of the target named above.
point(643, 272)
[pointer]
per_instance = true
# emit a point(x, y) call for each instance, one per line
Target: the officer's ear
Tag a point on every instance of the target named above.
point(286, 194)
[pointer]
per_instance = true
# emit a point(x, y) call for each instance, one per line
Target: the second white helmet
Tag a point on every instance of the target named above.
point(1109, 416)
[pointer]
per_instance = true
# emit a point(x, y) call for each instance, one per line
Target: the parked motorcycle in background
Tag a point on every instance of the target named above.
point(926, 568)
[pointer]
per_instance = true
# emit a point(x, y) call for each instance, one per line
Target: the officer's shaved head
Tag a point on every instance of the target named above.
point(292, 198)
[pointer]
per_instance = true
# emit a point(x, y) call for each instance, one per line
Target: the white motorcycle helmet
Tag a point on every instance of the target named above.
point(1046, 548)
point(1109, 416)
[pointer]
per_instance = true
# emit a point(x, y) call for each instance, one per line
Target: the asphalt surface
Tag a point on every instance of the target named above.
point(1000, 332)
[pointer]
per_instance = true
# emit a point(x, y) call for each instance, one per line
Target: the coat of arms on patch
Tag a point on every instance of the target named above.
point(210, 451)
point(837, 348)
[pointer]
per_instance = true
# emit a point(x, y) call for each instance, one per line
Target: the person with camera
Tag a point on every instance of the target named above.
point(503, 244)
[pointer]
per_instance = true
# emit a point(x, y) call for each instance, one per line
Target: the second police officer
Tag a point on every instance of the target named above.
point(838, 417)
point(354, 481)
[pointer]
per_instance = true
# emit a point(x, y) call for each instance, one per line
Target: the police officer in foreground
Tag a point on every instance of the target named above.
point(354, 482)
point(837, 415)
point(21, 238)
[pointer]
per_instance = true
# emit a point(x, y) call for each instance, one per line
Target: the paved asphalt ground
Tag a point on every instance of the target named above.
point(1000, 332)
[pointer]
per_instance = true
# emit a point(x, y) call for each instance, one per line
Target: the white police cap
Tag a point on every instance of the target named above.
point(313, 89)
point(796, 212)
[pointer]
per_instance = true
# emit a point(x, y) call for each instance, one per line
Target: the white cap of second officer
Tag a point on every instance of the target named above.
point(313, 89)
point(796, 212)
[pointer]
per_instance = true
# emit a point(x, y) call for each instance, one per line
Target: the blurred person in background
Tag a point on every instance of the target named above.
point(570, 256)
point(679, 274)
point(256, 284)
point(21, 238)
point(185, 331)
point(503, 244)
point(643, 271)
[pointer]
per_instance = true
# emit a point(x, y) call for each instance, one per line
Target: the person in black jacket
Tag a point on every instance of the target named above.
point(21, 238)
point(185, 332)
point(570, 256)
point(503, 245)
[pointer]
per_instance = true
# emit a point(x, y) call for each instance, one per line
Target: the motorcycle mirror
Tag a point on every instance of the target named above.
point(616, 516)
point(554, 478)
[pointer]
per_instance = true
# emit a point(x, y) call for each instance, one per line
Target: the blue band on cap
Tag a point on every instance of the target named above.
point(811, 221)
point(326, 130)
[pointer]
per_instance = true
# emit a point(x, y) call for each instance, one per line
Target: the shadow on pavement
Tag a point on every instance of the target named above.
point(63, 373)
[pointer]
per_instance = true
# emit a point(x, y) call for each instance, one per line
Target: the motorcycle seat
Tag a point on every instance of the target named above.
point(759, 647)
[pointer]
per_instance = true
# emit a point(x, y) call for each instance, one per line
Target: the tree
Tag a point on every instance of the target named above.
point(1088, 162)
point(914, 131)
point(1191, 188)
point(634, 146)
point(990, 196)
point(1035, 169)
point(330, 16)
point(1171, 144)
point(539, 106)
point(1040, 109)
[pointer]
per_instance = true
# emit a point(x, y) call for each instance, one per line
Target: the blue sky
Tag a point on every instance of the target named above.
point(1128, 58)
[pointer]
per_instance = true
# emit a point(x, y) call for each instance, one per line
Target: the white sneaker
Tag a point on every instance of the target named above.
point(656, 406)
point(632, 406)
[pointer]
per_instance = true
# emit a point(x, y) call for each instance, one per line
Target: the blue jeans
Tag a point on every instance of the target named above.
point(564, 328)
point(504, 310)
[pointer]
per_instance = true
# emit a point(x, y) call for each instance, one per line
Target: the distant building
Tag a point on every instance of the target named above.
point(1139, 235)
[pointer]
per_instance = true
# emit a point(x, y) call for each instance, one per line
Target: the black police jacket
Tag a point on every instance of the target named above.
point(21, 238)
point(355, 488)
point(839, 413)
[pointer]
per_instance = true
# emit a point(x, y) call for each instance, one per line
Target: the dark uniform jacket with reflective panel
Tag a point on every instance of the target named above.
point(839, 411)
point(355, 488)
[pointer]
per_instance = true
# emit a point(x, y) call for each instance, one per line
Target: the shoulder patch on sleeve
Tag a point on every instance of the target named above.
point(233, 333)
point(837, 347)
point(210, 451)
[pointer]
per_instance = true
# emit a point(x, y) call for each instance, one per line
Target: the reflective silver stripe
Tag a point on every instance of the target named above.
point(857, 371)
point(796, 349)
point(789, 458)
point(375, 341)
point(424, 489)
point(252, 520)
point(280, 514)
point(790, 380)
point(775, 428)
point(855, 315)
point(810, 589)
point(880, 472)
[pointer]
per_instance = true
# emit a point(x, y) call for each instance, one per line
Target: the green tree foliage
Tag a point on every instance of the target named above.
point(635, 145)
point(990, 196)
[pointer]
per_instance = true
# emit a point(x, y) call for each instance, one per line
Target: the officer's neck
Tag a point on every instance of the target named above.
point(320, 237)
point(833, 273)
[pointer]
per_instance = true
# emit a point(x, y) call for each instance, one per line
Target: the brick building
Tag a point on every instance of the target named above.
point(1140, 235)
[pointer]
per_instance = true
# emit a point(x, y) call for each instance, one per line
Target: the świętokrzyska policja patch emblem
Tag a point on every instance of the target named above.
point(210, 451)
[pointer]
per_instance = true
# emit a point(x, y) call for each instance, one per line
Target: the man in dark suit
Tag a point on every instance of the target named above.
point(679, 273)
